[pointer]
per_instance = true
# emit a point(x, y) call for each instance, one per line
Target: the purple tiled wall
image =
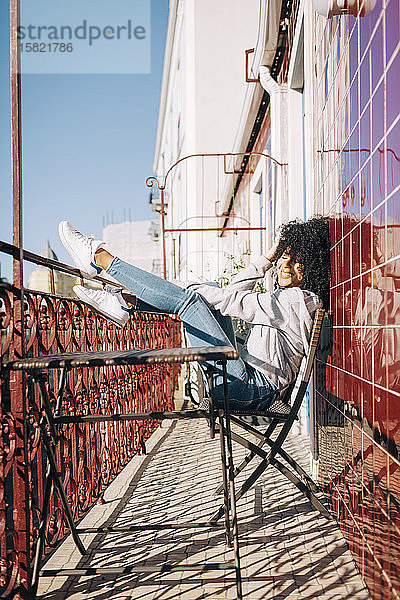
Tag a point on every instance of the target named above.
point(357, 181)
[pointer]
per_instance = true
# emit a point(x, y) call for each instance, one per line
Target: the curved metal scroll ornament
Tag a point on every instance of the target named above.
point(89, 456)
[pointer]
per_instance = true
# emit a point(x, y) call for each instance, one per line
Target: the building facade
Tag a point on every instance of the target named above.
point(317, 106)
point(136, 242)
point(201, 102)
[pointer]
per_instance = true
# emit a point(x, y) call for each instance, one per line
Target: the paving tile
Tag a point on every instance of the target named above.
point(288, 549)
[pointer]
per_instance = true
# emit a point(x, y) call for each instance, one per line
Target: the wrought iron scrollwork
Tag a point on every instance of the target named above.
point(89, 456)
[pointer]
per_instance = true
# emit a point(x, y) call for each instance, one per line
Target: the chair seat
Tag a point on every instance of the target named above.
point(277, 410)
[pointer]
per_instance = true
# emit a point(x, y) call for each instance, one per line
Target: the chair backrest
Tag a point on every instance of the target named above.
point(314, 339)
point(304, 375)
point(302, 380)
point(308, 360)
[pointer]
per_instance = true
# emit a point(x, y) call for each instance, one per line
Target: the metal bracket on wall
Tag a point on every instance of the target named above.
point(235, 171)
point(250, 79)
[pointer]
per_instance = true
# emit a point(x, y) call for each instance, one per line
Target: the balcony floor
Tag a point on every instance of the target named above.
point(288, 550)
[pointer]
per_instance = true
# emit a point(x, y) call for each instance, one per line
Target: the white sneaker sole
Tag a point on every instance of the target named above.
point(109, 316)
point(71, 251)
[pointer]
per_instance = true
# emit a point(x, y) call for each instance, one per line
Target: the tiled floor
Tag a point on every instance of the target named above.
point(288, 550)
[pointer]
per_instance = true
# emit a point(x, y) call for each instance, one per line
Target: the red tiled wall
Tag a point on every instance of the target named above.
point(357, 182)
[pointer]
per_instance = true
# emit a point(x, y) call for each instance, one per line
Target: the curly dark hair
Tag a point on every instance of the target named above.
point(309, 244)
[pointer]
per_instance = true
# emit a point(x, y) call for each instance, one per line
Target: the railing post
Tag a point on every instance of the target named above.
point(21, 514)
point(163, 232)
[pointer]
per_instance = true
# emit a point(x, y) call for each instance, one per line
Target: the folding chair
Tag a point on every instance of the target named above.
point(283, 411)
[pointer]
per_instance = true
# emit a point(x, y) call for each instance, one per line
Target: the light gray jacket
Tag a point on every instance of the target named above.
point(281, 321)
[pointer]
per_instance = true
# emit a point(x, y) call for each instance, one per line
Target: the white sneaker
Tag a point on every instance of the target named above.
point(108, 302)
point(81, 248)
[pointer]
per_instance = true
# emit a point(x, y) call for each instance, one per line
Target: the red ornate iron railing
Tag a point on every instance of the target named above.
point(89, 455)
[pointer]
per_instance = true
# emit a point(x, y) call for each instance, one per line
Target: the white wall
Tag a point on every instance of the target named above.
point(223, 31)
point(131, 241)
point(204, 89)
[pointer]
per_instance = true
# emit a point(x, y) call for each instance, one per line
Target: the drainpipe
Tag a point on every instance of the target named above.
point(279, 140)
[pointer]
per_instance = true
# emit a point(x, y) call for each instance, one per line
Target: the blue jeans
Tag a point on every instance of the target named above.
point(248, 388)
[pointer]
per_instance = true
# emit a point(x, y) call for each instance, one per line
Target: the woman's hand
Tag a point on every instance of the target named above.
point(271, 254)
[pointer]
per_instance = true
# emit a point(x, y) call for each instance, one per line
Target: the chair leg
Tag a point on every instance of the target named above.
point(231, 469)
point(244, 488)
point(225, 507)
point(265, 439)
point(304, 489)
point(210, 372)
point(247, 459)
point(299, 470)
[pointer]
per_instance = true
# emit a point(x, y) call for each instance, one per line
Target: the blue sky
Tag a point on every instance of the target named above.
point(88, 145)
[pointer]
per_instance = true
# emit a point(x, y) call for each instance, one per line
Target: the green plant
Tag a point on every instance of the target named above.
point(233, 267)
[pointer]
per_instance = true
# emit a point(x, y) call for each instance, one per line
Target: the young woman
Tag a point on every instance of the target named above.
point(280, 320)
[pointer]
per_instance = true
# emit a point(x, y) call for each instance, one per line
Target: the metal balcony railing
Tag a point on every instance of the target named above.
point(204, 200)
point(89, 456)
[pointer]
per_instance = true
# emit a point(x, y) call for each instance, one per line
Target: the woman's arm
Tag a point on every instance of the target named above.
point(247, 278)
point(238, 300)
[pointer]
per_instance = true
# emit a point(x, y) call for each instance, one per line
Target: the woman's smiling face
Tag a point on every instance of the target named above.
point(290, 272)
